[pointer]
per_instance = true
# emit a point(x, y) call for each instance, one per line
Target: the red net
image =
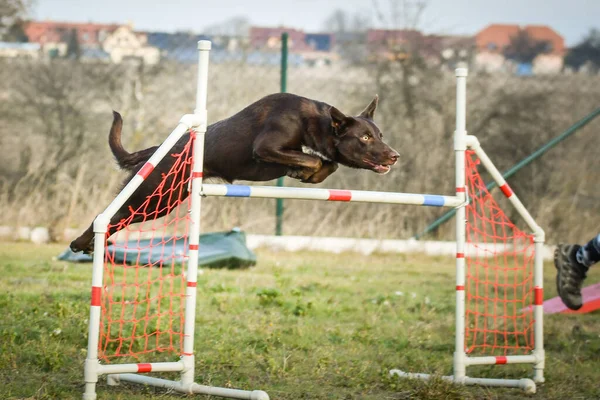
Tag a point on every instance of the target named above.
point(144, 272)
point(499, 282)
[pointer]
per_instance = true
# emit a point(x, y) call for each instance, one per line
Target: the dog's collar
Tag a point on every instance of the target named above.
point(313, 152)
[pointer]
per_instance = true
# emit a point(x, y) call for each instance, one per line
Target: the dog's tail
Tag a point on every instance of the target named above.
point(125, 159)
point(114, 141)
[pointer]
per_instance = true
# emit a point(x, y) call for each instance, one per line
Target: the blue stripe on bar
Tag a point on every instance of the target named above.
point(433, 200)
point(238, 191)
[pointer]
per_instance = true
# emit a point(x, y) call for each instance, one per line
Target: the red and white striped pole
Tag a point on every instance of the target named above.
point(187, 375)
point(460, 146)
point(91, 361)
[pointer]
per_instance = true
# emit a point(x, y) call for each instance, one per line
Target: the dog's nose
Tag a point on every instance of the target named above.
point(394, 156)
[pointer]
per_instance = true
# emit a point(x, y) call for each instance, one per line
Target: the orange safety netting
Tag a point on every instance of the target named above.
point(499, 275)
point(143, 300)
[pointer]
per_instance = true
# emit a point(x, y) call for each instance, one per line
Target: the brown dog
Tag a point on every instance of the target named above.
point(281, 134)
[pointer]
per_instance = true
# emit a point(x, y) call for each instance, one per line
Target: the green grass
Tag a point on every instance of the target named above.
point(298, 325)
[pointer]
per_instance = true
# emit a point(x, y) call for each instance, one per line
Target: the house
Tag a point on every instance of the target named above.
point(269, 39)
point(351, 47)
point(436, 50)
point(20, 50)
point(53, 36)
point(93, 55)
point(447, 51)
point(126, 45)
point(313, 49)
point(493, 40)
point(320, 41)
point(320, 49)
point(182, 47)
point(393, 44)
point(542, 33)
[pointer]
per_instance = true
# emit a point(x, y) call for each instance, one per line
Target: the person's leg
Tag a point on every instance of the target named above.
point(589, 254)
point(572, 262)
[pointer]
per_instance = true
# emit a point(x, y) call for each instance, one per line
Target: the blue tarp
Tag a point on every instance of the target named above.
point(217, 250)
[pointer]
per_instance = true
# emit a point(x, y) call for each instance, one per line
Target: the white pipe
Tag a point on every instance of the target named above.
point(204, 47)
point(459, 149)
point(192, 388)
point(360, 196)
point(149, 367)
point(512, 197)
point(538, 310)
point(425, 377)
point(91, 362)
point(525, 384)
point(187, 375)
point(492, 360)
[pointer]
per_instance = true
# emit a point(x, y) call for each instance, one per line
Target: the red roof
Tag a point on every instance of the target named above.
point(53, 32)
point(547, 34)
point(496, 37)
point(259, 37)
point(395, 36)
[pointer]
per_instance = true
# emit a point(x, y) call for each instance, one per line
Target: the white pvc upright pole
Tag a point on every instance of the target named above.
point(460, 145)
point(538, 308)
point(187, 375)
point(91, 360)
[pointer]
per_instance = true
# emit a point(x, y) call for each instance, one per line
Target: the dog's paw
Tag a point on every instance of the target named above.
point(301, 174)
point(76, 247)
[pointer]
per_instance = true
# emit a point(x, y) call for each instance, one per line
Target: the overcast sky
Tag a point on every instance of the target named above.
point(571, 18)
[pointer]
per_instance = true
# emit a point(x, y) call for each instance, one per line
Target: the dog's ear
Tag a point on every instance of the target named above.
point(370, 110)
point(338, 119)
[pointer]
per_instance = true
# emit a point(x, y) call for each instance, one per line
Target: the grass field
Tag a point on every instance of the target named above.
point(300, 326)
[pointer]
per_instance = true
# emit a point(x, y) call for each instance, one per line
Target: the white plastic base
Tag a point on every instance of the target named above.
point(194, 388)
point(527, 385)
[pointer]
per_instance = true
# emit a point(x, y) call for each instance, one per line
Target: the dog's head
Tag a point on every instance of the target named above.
point(359, 141)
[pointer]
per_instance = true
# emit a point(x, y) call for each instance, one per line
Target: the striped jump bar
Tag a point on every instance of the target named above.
point(360, 196)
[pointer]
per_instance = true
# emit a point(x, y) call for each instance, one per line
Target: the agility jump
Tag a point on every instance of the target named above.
point(142, 311)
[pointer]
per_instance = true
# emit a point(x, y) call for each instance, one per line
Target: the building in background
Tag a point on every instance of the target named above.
point(493, 41)
point(126, 45)
point(313, 49)
point(20, 50)
point(486, 51)
point(444, 51)
point(393, 44)
point(53, 36)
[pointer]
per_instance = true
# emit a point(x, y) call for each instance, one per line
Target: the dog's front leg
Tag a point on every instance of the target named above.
point(327, 168)
point(302, 166)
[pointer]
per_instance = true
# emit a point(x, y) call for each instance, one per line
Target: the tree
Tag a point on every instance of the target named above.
point(73, 48)
point(524, 49)
point(340, 21)
point(235, 26)
point(337, 22)
point(12, 15)
point(585, 52)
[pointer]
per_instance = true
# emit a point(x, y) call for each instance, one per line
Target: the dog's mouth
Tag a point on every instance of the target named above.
point(379, 168)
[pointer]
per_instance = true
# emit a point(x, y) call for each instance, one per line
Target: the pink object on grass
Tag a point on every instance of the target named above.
point(591, 302)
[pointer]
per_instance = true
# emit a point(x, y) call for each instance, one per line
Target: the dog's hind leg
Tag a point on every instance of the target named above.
point(161, 206)
point(85, 242)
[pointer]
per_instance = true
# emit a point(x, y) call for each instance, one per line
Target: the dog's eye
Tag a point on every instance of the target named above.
point(366, 137)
